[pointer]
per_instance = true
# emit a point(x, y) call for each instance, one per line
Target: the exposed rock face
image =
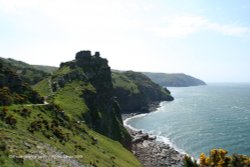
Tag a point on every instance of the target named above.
point(96, 69)
point(154, 153)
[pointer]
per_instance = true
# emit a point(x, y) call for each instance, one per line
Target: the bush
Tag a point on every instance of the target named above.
point(3, 113)
point(3, 146)
point(240, 160)
point(25, 113)
point(218, 158)
point(35, 126)
point(55, 123)
point(11, 120)
point(5, 96)
point(60, 135)
point(188, 162)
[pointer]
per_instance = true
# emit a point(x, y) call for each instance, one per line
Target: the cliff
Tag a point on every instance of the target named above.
point(174, 80)
point(92, 76)
point(135, 92)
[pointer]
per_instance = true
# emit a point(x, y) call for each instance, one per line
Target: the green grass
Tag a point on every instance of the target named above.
point(43, 87)
point(47, 69)
point(26, 72)
point(70, 100)
point(62, 71)
point(105, 153)
point(121, 81)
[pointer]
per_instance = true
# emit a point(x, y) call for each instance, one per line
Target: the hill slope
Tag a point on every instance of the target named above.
point(30, 74)
point(174, 80)
point(79, 120)
point(135, 92)
point(13, 90)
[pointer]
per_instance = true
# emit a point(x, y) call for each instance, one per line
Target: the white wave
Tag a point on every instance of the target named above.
point(125, 122)
point(158, 137)
point(168, 142)
point(143, 115)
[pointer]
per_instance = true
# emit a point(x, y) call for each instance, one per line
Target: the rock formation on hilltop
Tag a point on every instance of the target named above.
point(92, 75)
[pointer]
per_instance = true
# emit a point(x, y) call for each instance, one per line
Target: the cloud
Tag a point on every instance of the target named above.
point(230, 30)
point(82, 17)
point(179, 26)
point(183, 26)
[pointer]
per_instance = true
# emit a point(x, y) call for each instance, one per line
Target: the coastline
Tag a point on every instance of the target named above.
point(149, 150)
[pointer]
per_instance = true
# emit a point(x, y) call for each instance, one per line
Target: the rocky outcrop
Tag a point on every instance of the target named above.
point(154, 153)
point(96, 70)
point(103, 110)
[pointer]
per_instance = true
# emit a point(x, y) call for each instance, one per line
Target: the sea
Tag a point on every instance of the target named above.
point(202, 118)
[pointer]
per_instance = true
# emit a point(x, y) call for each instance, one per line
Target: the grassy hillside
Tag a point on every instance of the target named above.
point(135, 92)
point(47, 69)
point(38, 128)
point(13, 90)
point(79, 121)
point(30, 74)
point(84, 92)
point(174, 80)
point(120, 80)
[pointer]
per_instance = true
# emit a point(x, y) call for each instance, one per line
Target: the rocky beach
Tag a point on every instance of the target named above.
point(150, 151)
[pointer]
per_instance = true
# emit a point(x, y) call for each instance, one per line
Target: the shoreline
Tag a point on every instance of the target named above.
point(148, 149)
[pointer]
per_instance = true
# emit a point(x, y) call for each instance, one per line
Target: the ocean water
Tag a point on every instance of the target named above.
point(202, 118)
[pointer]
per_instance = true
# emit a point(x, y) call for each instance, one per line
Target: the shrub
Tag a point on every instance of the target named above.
point(46, 124)
point(240, 160)
point(35, 126)
point(5, 96)
point(3, 146)
point(11, 120)
point(60, 135)
point(188, 162)
point(218, 158)
point(55, 123)
point(3, 113)
point(78, 146)
point(25, 113)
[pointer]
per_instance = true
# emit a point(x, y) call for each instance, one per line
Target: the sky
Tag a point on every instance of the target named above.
point(208, 39)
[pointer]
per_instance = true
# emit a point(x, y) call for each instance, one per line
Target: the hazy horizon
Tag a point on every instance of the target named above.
point(205, 39)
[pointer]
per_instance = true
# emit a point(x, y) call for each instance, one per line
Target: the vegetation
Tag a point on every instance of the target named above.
point(79, 120)
point(13, 90)
point(43, 87)
point(30, 74)
point(37, 125)
point(82, 118)
point(122, 81)
point(47, 69)
point(174, 80)
point(135, 91)
point(84, 92)
point(218, 158)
